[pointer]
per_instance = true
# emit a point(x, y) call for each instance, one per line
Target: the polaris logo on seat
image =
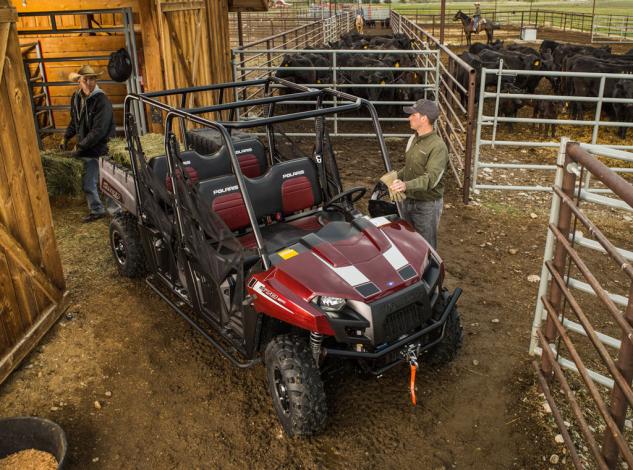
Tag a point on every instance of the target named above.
point(294, 173)
point(240, 152)
point(225, 190)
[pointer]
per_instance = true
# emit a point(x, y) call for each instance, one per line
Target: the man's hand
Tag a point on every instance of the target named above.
point(398, 186)
point(63, 145)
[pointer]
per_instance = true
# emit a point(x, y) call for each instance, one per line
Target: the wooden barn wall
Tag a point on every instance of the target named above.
point(31, 278)
point(195, 45)
point(72, 45)
point(177, 48)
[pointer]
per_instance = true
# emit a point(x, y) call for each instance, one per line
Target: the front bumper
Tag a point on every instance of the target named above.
point(423, 339)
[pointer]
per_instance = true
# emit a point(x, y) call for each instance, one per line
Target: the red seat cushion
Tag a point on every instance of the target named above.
point(250, 165)
point(232, 210)
point(192, 177)
point(296, 195)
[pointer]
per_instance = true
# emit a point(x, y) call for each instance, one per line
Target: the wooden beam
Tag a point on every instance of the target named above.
point(8, 15)
point(13, 357)
point(14, 251)
point(181, 6)
point(26, 179)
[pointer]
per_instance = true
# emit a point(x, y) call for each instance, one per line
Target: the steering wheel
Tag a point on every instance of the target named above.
point(353, 195)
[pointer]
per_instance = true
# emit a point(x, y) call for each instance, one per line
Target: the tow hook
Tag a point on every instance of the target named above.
point(411, 356)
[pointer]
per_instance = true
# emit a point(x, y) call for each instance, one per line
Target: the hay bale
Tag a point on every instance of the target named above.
point(62, 173)
point(153, 146)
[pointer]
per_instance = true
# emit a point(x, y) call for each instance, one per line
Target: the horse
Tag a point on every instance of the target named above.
point(467, 24)
point(359, 23)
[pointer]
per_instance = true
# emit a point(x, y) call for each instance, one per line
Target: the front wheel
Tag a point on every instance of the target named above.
point(446, 350)
point(295, 384)
point(126, 245)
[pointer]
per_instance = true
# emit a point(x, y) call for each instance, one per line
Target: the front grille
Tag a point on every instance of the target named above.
point(402, 321)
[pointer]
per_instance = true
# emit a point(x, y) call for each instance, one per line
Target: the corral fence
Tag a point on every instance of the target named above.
point(456, 101)
point(47, 71)
point(602, 28)
point(518, 152)
point(263, 57)
point(258, 25)
point(588, 391)
point(612, 29)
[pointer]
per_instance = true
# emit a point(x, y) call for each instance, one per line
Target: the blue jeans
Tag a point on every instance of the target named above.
point(90, 185)
point(425, 217)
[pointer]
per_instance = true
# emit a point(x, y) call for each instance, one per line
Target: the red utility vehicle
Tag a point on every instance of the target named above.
point(261, 249)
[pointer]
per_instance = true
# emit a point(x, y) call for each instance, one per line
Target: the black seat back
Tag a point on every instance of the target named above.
point(250, 154)
point(288, 187)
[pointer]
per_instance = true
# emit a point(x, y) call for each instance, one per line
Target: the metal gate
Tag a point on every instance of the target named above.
point(124, 25)
point(612, 29)
point(489, 121)
point(574, 349)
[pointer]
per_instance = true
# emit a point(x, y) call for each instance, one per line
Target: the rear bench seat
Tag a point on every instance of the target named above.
point(250, 154)
point(287, 188)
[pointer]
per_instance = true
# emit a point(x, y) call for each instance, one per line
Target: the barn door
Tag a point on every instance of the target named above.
point(32, 289)
point(183, 27)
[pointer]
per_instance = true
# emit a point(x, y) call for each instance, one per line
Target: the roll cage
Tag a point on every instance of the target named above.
point(149, 194)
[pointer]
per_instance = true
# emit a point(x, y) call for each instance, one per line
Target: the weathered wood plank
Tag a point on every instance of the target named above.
point(14, 251)
point(32, 172)
point(12, 358)
point(181, 6)
point(11, 318)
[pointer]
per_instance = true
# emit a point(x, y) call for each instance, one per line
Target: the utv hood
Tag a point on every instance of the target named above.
point(363, 260)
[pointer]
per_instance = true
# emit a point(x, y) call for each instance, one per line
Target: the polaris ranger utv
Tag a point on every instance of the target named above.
point(263, 251)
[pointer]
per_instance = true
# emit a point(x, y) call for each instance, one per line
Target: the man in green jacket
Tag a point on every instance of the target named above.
point(422, 178)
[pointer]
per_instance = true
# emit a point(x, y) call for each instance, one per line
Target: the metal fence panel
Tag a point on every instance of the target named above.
point(553, 332)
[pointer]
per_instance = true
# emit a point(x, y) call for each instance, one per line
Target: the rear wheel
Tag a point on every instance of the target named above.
point(295, 384)
point(446, 350)
point(126, 245)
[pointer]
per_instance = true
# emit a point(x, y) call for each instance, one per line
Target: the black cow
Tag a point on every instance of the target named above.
point(546, 109)
point(623, 111)
point(480, 46)
point(548, 45)
point(307, 75)
point(589, 86)
point(509, 107)
point(516, 61)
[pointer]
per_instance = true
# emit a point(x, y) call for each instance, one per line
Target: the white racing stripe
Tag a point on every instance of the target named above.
point(349, 274)
point(393, 255)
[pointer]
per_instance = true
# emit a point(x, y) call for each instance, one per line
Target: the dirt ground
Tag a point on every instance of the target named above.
point(135, 387)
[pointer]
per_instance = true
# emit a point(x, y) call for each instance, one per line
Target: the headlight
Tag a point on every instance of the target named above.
point(330, 304)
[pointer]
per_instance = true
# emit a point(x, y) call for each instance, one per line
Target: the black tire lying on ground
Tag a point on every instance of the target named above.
point(294, 382)
point(126, 245)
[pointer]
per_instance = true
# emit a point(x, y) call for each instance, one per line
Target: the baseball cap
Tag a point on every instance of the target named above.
point(426, 108)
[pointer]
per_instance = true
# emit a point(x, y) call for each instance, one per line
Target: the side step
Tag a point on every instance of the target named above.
point(231, 357)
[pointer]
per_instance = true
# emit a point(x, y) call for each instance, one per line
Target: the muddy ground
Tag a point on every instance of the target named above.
point(166, 399)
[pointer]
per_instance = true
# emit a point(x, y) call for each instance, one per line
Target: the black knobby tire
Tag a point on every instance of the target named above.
point(126, 245)
point(295, 385)
point(446, 350)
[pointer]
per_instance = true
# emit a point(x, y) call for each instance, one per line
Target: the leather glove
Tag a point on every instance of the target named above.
point(63, 145)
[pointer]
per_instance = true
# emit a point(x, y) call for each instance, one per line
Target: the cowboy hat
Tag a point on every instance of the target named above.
point(477, 3)
point(84, 71)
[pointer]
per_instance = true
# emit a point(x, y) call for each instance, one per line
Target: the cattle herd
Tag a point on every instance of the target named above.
point(383, 76)
point(554, 56)
point(374, 76)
